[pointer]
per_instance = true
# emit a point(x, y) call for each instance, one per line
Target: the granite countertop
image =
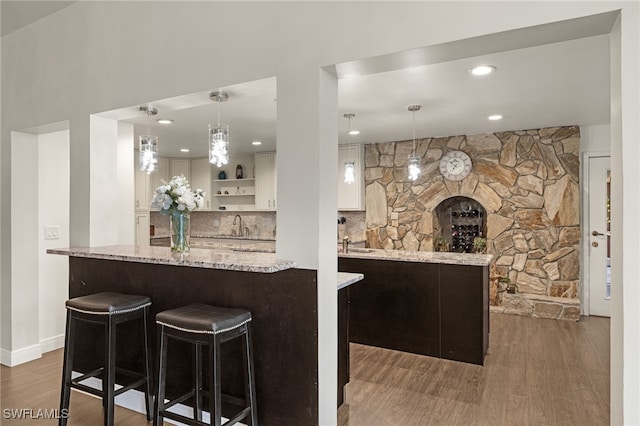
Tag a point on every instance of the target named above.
point(217, 237)
point(345, 279)
point(468, 259)
point(197, 258)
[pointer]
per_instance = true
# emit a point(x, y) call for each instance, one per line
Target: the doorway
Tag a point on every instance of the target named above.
point(599, 236)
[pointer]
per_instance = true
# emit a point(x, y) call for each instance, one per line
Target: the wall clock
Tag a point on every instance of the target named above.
point(455, 165)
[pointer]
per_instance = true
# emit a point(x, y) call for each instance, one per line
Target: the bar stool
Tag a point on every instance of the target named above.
point(108, 309)
point(205, 325)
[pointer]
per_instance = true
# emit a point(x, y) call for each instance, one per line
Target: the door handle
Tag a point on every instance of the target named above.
point(597, 234)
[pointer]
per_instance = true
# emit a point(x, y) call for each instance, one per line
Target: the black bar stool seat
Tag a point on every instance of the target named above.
point(109, 309)
point(205, 325)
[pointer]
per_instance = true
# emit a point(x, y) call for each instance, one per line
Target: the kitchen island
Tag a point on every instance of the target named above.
point(281, 298)
point(428, 303)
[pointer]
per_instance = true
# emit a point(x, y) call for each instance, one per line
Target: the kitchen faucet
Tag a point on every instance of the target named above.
point(239, 223)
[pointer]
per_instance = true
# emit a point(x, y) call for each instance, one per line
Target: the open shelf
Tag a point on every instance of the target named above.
point(240, 194)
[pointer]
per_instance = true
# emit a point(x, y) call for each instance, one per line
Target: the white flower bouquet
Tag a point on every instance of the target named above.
point(176, 199)
point(176, 196)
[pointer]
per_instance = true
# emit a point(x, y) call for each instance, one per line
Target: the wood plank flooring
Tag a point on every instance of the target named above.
point(537, 372)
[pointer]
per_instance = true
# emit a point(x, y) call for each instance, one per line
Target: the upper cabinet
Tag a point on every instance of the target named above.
point(141, 186)
point(201, 178)
point(350, 195)
point(159, 176)
point(180, 166)
point(265, 166)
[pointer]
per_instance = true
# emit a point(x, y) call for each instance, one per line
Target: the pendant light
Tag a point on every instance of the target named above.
point(148, 144)
point(219, 135)
point(414, 160)
point(349, 165)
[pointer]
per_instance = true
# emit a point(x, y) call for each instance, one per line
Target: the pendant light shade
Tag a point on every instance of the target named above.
point(349, 164)
point(349, 171)
point(219, 144)
point(219, 135)
point(148, 144)
point(414, 160)
point(414, 167)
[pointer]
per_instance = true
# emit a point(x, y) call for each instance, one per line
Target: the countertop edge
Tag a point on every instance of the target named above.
point(464, 259)
point(239, 264)
point(345, 279)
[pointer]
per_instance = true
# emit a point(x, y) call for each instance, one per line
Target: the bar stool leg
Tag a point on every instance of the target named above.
point(109, 375)
point(67, 367)
point(197, 381)
point(250, 390)
point(215, 398)
point(147, 367)
point(160, 378)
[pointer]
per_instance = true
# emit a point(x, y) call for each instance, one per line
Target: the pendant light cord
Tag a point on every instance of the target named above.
point(414, 133)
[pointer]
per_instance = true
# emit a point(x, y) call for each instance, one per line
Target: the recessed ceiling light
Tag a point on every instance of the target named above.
point(482, 70)
point(354, 132)
point(495, 117)
point(164, 121)
point(256, 143)
point(184, 149)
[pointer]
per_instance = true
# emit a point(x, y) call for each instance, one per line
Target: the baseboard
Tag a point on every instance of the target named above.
point(52, 343)
point(20, 356)
point(13, 358)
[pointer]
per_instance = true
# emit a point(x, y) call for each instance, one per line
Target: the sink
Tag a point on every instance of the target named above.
point(360, 250)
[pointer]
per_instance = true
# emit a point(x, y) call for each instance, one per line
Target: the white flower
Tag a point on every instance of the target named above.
point(176, 196)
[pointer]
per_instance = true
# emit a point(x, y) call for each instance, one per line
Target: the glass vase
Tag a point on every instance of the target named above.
point(180, 232)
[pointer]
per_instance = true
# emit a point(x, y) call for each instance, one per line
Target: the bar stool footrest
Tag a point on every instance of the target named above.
point(75, 383)
point(230, 399)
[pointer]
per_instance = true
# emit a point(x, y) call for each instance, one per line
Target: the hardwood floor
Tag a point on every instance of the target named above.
point(537, 372)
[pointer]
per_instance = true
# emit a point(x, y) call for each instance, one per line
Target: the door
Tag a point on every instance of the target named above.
point(201, 179)
point(599, 236)
point(349, 194)
point(142, 229)
point(265, 181)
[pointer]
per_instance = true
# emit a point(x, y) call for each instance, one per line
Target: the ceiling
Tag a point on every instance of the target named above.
point(549, 75)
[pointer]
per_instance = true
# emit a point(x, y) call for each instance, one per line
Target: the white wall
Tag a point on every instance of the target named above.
point(105, 208)
point(53, 209)
point(595, 139)
point(25, 336)
point(126, 198)
point(72, 76)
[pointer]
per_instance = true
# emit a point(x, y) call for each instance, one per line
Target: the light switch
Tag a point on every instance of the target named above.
point(52, 232)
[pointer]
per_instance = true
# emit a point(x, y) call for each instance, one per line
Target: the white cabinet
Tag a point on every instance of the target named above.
point(201, 178)
point(350, 194)
point(161, 174)
point(265, 164)
point(141, 187)
point(142, 229)
point(180, 166)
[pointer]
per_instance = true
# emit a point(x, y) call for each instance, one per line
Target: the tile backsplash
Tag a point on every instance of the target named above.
point(261, 224)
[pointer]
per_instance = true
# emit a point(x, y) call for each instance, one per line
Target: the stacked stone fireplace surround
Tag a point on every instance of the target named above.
point(528, 183)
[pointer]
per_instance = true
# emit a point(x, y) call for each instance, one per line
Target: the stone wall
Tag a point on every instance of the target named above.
point(528, 183)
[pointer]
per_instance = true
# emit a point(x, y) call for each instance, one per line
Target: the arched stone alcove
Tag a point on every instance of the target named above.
point(457, 221)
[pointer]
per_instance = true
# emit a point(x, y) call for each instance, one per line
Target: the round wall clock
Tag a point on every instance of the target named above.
point(455, 165)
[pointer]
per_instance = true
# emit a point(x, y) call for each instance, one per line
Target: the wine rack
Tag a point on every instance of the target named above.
point(466, 224)
point(457, 222)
